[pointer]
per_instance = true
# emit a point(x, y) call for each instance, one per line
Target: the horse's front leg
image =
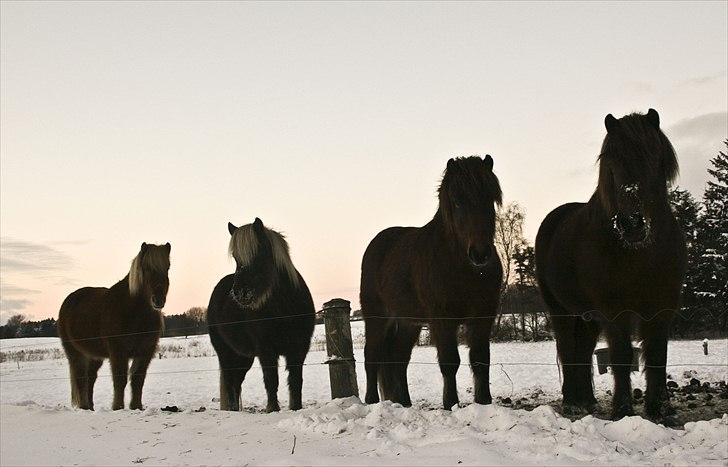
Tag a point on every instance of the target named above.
point(138, 374)
point(269, 362)
point(445, 336)
point(620, 355)
point(654, 350)
point(119, 372)
point(478, 335)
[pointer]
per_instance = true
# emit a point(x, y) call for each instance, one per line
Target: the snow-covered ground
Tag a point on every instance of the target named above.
point(37, 425)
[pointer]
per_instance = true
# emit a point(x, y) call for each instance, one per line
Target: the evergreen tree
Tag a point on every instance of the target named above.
point(687, 213)
point(712, 270)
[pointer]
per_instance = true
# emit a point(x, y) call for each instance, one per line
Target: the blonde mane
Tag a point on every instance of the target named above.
point(155, 257)
point(244, 246)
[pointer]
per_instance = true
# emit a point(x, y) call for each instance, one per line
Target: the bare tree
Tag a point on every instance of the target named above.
point(508, 238)
point(15, 321)
point(196, 314)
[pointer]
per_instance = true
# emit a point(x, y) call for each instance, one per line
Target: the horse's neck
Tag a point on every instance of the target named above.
point(441, 242)
point(120, 292)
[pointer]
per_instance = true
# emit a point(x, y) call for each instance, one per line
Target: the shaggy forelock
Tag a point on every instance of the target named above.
point(640, 147)
point(469, 178)
point(153, 258)
point(244, 246)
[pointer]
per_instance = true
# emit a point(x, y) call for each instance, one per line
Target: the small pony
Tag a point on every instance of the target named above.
point(119, 323)
point(616, 264)
point(264, 309)
point(444, 274)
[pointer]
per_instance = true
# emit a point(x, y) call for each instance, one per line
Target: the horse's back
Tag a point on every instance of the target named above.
point(554, 252)
point(79, 315)
point(386, 243)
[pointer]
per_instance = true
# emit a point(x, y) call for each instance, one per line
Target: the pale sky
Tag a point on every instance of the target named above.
point(129, 122)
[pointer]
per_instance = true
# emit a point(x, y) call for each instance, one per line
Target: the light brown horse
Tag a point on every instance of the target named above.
point(119, 323)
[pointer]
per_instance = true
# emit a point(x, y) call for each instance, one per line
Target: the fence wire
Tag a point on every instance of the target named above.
point(263, 367)
point(586, 316)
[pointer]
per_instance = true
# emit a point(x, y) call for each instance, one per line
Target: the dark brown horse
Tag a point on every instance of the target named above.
point(444, 274)
point(119, 323)
point(618, 261)
point(264, 309)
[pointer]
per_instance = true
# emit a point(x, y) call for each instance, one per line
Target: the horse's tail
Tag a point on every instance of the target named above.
point(78, 376)
point(387, 378)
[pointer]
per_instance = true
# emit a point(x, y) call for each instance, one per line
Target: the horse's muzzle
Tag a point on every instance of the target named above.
point(244, 298)
point(158, 303)
point(633, 229)
point(479, 260)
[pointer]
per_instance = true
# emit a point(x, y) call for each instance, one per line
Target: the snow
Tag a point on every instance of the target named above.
point(35, 411)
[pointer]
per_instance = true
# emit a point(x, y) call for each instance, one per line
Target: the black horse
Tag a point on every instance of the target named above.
point(264, 309)
point(444, 274)
point(616, 264)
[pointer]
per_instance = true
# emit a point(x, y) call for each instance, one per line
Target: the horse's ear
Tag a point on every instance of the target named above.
point(450, 164)
point(258, 225)
point(231, 228)
point(488, 161)
point(611, 123)
point(654, 118)
point(168, 247)
point(144, 247)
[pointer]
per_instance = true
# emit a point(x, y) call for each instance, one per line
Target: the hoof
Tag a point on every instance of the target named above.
point(450, 405)
point(369, 399)
point(272, 408)
point(483, 400)
point(660, 412)
point(624, 410)
point(134, 406)
point(576, 410)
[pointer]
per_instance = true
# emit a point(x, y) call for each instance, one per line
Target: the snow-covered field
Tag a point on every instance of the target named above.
point(37, 425)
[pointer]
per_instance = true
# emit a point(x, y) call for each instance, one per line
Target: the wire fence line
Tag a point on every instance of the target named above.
point(586, 316)
point(500, 364)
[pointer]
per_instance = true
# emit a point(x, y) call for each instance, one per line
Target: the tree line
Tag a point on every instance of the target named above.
point(189, 323)
point(522, 314)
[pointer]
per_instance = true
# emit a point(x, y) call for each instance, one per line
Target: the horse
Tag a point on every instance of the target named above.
point(616, 264)
point(120, 323)
point(263, 309)
point(443, 274)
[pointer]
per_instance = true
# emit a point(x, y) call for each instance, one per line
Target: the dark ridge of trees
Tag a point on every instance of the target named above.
point(189, 323)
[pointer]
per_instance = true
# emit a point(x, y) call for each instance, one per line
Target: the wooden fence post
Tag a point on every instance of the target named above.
point(340, 349)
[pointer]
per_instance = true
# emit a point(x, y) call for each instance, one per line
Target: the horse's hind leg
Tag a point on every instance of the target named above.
point(587, 333)
point(92, 372)
point(654, 350)
point(374, 331)
point(119, 373)
point(575, 342)
point(233, 368)
point(294, 365)
point(78, 368)
point(138, 375)
point(269, 362)
point(401, 351)
point(620, 356)
point(446, 340)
